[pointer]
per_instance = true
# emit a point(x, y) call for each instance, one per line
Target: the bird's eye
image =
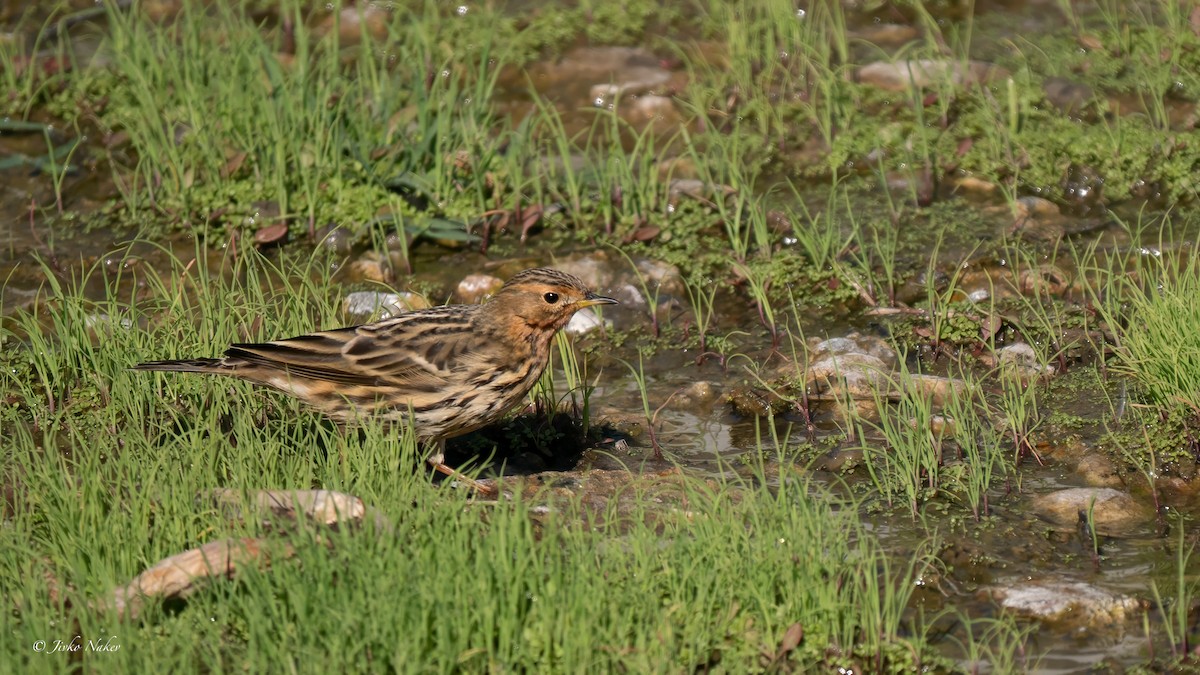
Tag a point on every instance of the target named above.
point(550, 298)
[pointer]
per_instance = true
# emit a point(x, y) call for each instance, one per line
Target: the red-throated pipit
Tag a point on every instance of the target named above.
point(447, 370)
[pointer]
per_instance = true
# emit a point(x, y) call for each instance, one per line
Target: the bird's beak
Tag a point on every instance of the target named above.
point(593, 299)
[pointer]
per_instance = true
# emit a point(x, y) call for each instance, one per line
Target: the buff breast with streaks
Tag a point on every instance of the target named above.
point(451, 369)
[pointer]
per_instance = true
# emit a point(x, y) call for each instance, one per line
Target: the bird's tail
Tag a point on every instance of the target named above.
point(217, 366)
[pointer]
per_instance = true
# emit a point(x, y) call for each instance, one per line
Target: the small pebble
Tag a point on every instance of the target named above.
point(475, 288)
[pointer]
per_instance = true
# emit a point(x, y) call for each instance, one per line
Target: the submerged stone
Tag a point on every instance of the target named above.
point(628, 295)
point(1047, 279)
point(1098, 470)
point(890, 34)
point(604, 74)
point(697, 397)
point(361, 306)
point(938, 389)
point(371, 266)
point(652, 108)
point(352, 23)
point(637, 81)
point(105, 320)
point(1069, 96)
point(1037, 207)
point(751, 402)
point(474, 288)
point(854, 343)
point(1112, 512)
point(1068, 604)
point(921, 73)
point(584, 322)
point(853, 374)
point(1021, 360)
point(335, 238)
point(595, 271)
point(662, 275)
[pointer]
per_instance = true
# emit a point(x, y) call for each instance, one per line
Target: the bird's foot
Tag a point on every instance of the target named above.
point(479, 488)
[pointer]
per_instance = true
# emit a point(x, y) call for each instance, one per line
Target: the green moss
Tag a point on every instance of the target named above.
point(1125, 152)
point(1122, 56)
point(1166, 440)
point(618, 23)
point(690, 239)
point(16, 365)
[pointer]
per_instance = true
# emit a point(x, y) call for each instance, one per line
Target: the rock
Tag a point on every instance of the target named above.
point(652, 108)
point(364, 306)
point(974, 185)
point(1021, 361)
point(352, 22)
point(334, 238)
point(1176, 488)
point(854, 410)
point(628, 295)
point(621, 422)
point(398, 260)
point(859, 376)
point(159, 11)
point(594, 271)
point(602, 74)
point(1068, 604)
point(750, 402)
point(854, 343)
point(839, 460)
point(1082, 190)
point(1037, 219)
point(978, 284)
point(889, 34)
point(1044, 279)
point(584, 322)
point(371, 266)
point(921, 73)
point(664, 276)
point(1114, 513)
point(474, 288)
point(697, 397)
point(1098, 470)
point(937, 388)
point(1067, 95)
point(263, 211)
point(832, 346)
point(942, 426)
point(697, 189)
point(556, 165)
point(636, 81)
point(1065, 450)
point(105, 320)
point(1036, 207)
point(13, 299)
point(672, 168)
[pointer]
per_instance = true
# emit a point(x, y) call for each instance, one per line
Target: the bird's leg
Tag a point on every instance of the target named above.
point(436, 460)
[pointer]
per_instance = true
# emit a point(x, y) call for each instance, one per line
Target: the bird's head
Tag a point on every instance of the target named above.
point(543, 299)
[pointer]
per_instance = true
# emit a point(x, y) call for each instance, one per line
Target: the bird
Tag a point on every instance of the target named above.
point(445, 370)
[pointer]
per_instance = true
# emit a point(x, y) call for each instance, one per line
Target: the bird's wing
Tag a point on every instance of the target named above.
point(417, 350)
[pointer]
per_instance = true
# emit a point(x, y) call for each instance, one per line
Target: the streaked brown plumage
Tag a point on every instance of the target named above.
point(453, 369)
